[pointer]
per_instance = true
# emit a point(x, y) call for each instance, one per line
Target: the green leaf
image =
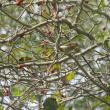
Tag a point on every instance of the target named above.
point(70, 75)
point(53, 68)
point(57, 95)
point(33, 98)
point(16, 91)
point(107, 44)
point(56, 66)
point(102, 36)
point(61, 106)
point(1, 107)
point(101, 4)
point(107, 98)
point(3, 36)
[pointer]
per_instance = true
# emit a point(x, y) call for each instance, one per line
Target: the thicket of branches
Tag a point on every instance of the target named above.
point(58, 49)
